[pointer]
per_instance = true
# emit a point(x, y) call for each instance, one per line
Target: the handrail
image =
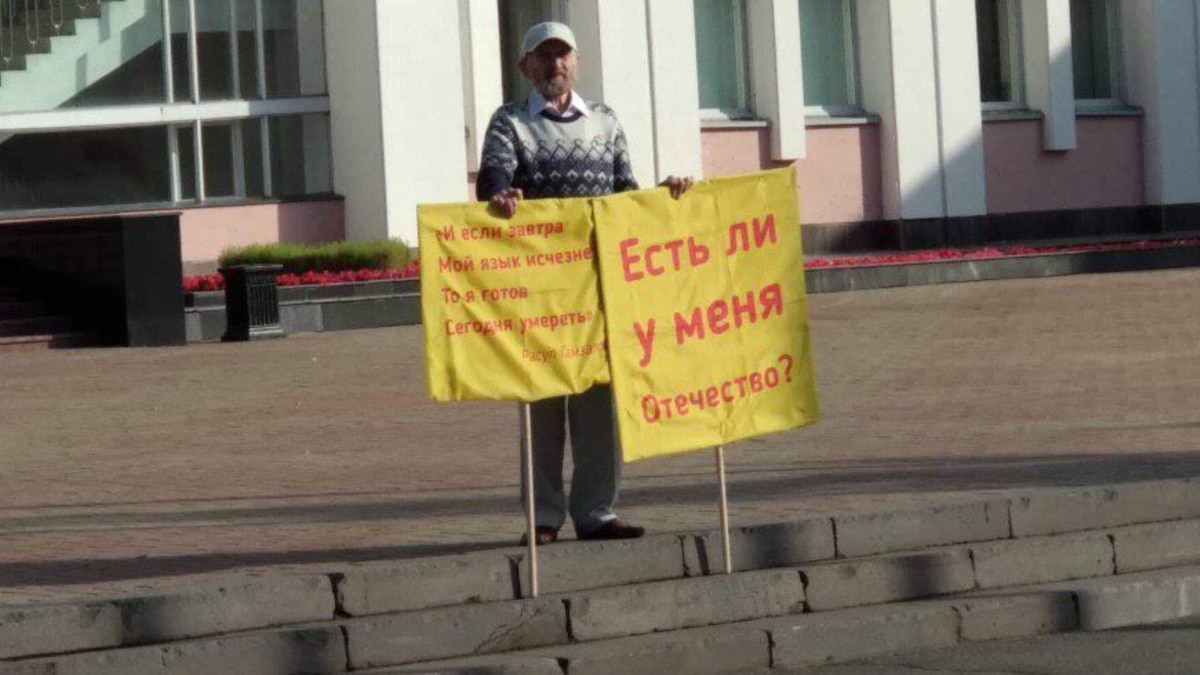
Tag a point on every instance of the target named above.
point(22, 30)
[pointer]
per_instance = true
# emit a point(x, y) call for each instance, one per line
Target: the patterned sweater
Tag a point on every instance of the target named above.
point(547, 155)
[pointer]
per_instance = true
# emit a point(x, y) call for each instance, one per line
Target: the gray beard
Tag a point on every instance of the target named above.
point(553, 88)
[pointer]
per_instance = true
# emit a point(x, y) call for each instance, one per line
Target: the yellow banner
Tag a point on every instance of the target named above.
point(510, 306)
point(707, 313)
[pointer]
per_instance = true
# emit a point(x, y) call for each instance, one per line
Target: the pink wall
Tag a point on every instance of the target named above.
point(204, 232)
point(839, 181)
point(1104, 170)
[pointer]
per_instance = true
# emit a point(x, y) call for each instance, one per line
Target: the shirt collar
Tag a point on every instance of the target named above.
point(537, 103)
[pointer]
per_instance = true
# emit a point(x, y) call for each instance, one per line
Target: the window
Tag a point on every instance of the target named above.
point(1094, 48)
point(84, 168)
point(516, 16)
point(242, 83)
point(828, 57)
point(721, 59)
point(998, 24)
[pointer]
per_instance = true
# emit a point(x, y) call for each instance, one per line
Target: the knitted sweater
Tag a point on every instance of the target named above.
point(547, 155)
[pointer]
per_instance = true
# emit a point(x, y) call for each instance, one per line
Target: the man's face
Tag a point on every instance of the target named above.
point(551, 68)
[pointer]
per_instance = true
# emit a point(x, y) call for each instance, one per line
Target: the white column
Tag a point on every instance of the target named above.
point(960, 119)
point(899, 85)
point(1162, 75)
point(352, 64)
point(615, 68)
point(774, 27)
point(1049, 72)
point(420, 81)
point(675, 88)
point(482, 81)
point(395, 85)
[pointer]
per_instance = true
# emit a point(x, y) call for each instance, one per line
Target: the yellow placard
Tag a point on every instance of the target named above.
point(707, 313)
point(510, 306)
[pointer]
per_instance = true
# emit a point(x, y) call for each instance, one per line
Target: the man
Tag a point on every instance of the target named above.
point(555, 144)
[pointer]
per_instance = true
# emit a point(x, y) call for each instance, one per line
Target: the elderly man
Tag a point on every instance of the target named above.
point(555, 144)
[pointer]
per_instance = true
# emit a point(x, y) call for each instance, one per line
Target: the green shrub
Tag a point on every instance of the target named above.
point(334, 256)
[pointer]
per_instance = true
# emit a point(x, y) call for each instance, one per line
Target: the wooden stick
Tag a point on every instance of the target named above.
point(530, 515)
point(724, 510)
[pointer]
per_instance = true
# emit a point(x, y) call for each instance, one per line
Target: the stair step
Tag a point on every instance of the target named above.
point(21, 309)
point(37, 325)
point(835, 587)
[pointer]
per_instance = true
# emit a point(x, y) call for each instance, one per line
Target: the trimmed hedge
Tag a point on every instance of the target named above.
point(337, 256)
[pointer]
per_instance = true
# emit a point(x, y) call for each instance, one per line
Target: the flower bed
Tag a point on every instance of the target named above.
point(990, 253)
point(215, 282)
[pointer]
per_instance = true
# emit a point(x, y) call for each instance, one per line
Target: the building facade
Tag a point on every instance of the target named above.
point(310, 120)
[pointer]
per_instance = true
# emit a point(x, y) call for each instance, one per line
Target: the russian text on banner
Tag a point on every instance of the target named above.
point(510, 306)
point(707, 313)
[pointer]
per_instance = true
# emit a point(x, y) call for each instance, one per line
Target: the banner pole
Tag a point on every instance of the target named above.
point(724, 510)
point(530, 515)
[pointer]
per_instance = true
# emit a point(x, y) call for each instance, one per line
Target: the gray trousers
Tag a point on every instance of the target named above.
point(597, 477)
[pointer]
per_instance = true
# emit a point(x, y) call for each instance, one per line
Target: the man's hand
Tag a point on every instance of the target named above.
point(677, 185)
point(505, 201)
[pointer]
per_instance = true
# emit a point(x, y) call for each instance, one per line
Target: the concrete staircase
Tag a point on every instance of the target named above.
point(30, 27)
point(54, 53)
point(30, 323)
point(824, 589)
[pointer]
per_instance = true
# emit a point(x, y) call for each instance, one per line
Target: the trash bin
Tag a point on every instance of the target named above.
point(251, 303)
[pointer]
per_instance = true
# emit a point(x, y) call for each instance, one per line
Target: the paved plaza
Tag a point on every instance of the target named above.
point(125, 469)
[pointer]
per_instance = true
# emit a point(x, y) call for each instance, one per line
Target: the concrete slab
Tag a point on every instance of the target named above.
point(1016, 616)
point(870, 533)
point(760, 546)
point(687, 603)
point(855, 634)
point(1130, 600)
point(576, 566)
point(1140, 650)
point(1040, 560)
point(240, 603)
point(57, 629)
point(480, 665)
point(421, 583)
point(282, 652)
point(698, 651)
point(890, 578)
point(1105, 506)
point(432, 634)
point(1148, 547)
point(887, 670)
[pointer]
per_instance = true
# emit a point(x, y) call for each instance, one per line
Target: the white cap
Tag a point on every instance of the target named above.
point(549, 30)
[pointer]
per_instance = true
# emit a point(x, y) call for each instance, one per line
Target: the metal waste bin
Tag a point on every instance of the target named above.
point(251, 303)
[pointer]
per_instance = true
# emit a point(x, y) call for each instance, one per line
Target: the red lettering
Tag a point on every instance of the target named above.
point(645, 337)
point(747, 308)
point(765, 230)
point(651, 415)
point(718, 312)
point(628, 260)
point(697, 253)
point(685, 328)
point(653, 269)
point(771, 298)
point(674, 246)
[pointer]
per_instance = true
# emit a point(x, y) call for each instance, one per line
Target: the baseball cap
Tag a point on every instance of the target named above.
point(549, 30)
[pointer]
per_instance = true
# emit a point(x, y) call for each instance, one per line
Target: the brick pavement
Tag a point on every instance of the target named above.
point(126, 469)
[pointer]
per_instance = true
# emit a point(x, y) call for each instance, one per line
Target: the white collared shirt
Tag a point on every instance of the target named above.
point(537, 103)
